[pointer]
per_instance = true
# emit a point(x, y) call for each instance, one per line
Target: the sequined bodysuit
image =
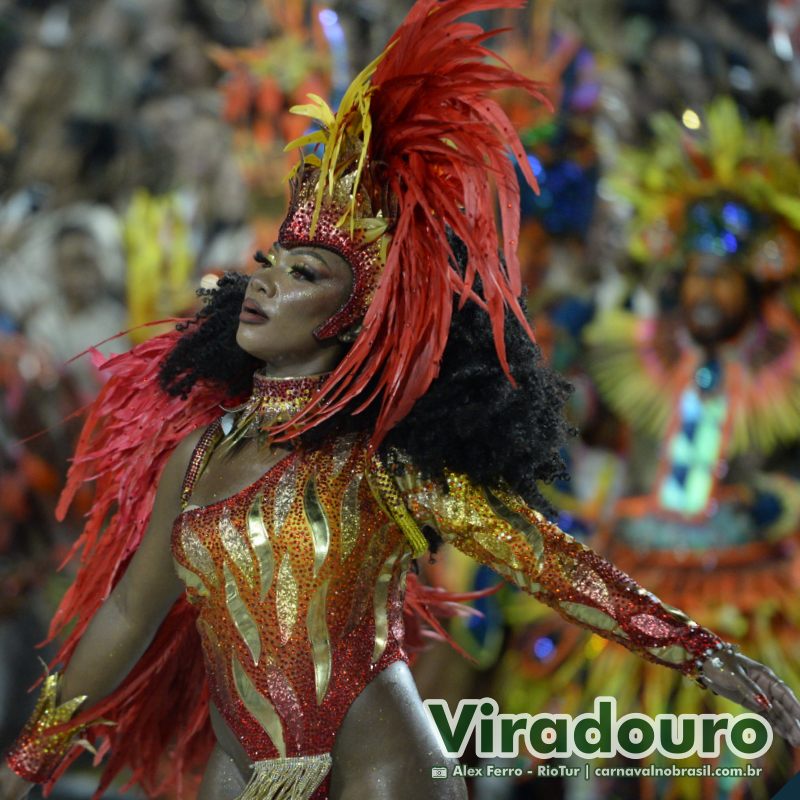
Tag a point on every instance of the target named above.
point(299, 579)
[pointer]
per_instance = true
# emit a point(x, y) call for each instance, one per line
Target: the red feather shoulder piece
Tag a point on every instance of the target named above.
point(160, 712)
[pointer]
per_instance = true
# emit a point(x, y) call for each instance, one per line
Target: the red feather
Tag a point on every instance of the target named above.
point(161, 709)
point(425, 605)
point(448, 150)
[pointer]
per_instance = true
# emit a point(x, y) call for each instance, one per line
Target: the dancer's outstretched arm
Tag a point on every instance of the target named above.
point(498, 529)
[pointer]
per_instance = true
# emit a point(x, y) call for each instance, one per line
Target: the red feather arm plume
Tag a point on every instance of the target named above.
point(160, 712)
point(425, 606)
point(447, 152)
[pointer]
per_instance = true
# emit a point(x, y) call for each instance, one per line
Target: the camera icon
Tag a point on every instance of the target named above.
point(438, 772)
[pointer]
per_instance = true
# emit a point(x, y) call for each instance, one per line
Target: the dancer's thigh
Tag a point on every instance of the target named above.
point(222, 779)
point(387, 747)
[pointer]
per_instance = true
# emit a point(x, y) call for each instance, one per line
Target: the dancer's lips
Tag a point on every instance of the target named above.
point(252, 313)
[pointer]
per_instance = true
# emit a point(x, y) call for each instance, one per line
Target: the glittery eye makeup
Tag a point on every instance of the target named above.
point(302, 272)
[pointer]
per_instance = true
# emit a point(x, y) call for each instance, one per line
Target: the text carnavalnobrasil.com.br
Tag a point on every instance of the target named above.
point(551, 770)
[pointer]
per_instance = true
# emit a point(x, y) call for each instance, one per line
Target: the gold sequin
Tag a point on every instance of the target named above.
point(341, 454)
point(191, 580)
point(590, 584)
point(284, 497)
point(520, 578)
point(517, 522)
point(489, 541)
point(371, 561)
point(350, 515)
point(679, 615)
point(259, 538)
point(286, 601)
point(258, 705)
point(673, 654)
point(245, 624)
point(405, 562)
point(317, 522)
point(216, 658)
point(236, 548)
point(381, 617)
point(198, 556)
point(40, 748)
point(498, 529)
point(320, 643)
point(591, 616)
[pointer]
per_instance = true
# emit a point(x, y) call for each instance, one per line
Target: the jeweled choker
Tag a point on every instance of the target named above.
point(273, 401)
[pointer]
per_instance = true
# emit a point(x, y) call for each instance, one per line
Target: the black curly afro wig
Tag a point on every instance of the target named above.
point(471, 420)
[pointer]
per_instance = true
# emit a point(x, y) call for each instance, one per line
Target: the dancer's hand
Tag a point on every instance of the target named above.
point(755, 687)
point(12, 787)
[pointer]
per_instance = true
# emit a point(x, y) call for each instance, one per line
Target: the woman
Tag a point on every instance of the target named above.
point(300, 512)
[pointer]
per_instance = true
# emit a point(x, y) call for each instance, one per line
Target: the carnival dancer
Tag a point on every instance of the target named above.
point(393, 389)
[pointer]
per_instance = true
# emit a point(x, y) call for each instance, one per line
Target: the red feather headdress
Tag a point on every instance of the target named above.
point(417, 146)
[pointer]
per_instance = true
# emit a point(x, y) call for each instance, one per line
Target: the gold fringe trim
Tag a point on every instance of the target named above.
point(287, 778)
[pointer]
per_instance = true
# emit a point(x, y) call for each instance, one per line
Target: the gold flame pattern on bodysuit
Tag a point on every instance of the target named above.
point(299, 579)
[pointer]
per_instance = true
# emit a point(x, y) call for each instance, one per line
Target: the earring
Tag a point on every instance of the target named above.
point(350, 335)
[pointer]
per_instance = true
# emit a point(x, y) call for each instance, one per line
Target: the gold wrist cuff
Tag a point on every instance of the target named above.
point(40, 749)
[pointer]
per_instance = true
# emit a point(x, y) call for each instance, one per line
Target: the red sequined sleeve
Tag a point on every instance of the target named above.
point(498, 529)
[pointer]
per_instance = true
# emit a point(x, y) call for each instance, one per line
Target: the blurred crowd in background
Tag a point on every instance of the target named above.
point(141, 155)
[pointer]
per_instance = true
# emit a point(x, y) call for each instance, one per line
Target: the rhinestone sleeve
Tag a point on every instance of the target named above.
point(498, 529)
